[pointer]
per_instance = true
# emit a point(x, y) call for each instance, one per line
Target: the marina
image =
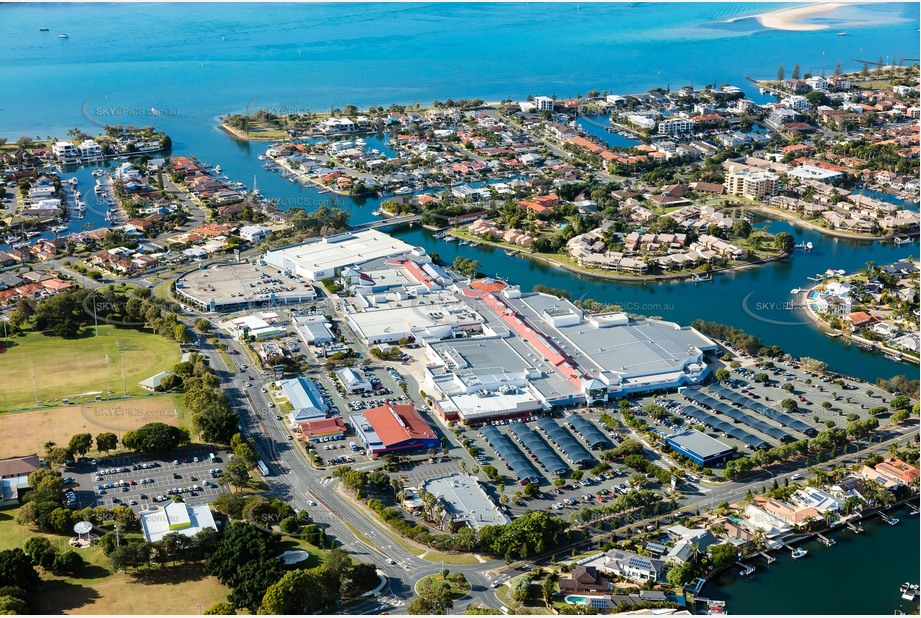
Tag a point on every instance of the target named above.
point(825, 566)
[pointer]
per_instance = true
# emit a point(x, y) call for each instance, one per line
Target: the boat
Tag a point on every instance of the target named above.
point(58, 229)
point(510, 252)
point(795, 291)
point(798, 553)
point(832, 335)
point(438, 235)
point(865, 347)
point(376, 213)
point(809, 246)
point(98, 172)
point(13, 239)
point(261, 157)
point(463, 243)
point(402, 191)
point(43, 29)
point(31, 234)
point(842, 33)
point(474, 244)
point(63, 36)
point(73, 180)
point(450, 239)
point(909, 591)
point(893, 357)
point(217, 168)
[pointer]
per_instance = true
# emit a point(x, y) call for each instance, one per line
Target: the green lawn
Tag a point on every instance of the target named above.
point(96, 589)
point(91, 364)
point(458, 588)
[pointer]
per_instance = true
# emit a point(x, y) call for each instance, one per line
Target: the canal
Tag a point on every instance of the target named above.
point(859, 574)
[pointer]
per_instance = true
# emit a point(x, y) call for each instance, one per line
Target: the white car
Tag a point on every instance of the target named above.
point(796, 477)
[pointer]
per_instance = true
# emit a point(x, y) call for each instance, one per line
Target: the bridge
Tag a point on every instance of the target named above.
point(389, 222)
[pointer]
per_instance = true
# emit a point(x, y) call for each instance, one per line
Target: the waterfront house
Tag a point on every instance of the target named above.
point(629, 565)
point(899, 471)
point(689, 543)
point(820, 500)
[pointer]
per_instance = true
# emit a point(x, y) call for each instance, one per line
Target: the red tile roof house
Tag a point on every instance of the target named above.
point(898, 470)
point(584, 579)
point(859, 319)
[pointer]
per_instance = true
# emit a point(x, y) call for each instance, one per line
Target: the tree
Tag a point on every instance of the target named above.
point(838, 70)
point(865, 71)
point(80, 444)
point(780, 73)
point(223, 608)
point(787, 387)
point(106, 441)
point(13, 606)
point(784, 241)
point(302, 591)
point(237, 472)
point(40, 551)
point(156, 438)
point(722, 374)
point(795, 74)
point(68, 562)
point(742, 228)
point(681, 574)
point(245, 561)
point(900, 402)
point(16, 570)
point(203, 326)
point(789, 405)
point(723, 555)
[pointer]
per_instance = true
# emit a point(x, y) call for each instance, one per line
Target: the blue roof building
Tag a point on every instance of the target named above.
point(305, 399)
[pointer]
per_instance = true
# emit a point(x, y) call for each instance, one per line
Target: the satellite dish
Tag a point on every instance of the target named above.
point(83, 527)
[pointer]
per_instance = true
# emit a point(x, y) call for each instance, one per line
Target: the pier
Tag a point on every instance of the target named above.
point(770, 559)
point(855, 528)
point(889, 520)
point(746, 569)
point(825, 540)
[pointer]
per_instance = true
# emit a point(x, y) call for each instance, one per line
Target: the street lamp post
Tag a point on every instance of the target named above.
point(34, 383)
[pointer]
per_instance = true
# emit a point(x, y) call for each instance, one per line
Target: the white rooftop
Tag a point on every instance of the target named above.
point(157, 522)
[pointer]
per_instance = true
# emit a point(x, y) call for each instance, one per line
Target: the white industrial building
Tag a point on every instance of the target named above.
point(157, 521)
point(352, 381)
point(323, 258)
point(313, 329)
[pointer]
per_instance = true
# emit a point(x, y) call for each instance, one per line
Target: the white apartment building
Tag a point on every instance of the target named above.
point(543, 104)
point(675, 126)
point(753, 184)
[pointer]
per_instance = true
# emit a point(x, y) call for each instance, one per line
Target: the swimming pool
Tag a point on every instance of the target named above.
point(575, 600)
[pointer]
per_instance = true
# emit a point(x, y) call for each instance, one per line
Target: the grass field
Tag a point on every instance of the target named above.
point(96, 590)
point(74, 367)
point(23, 433)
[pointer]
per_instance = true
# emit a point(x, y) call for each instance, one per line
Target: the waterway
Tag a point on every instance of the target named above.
point(193, 62)
point(860, 574)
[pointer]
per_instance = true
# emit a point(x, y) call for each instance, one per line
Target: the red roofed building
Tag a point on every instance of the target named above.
point(898, 470)
point(393, 429)
point(860, 319)
point(322, 428)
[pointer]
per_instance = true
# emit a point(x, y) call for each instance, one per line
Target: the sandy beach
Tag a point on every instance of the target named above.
point(789, 19)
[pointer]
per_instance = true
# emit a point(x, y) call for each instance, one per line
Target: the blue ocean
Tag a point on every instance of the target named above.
point(181, 66)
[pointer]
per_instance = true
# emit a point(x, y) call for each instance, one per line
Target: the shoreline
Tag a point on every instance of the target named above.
point(825, 328)
point(246, 137)
point(623, 278)
point(790, 18)
point(768, 210)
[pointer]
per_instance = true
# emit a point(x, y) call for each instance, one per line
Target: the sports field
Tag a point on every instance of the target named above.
point(87, 366)
point(24, 433)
